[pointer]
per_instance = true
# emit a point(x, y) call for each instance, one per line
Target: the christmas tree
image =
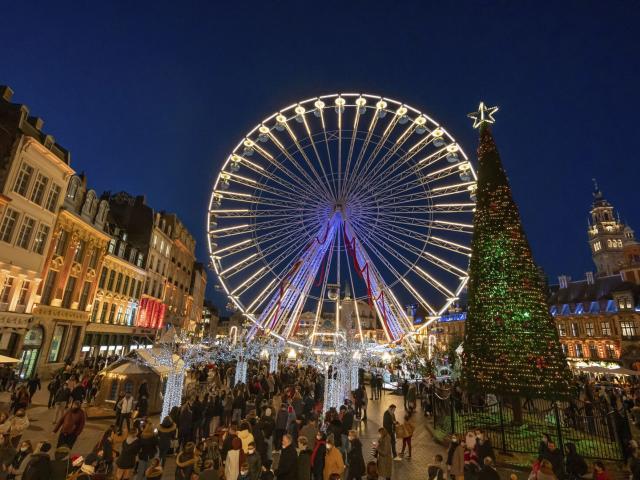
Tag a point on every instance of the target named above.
point(511, 345)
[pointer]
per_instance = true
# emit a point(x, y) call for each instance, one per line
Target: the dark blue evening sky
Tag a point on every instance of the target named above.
point(149, 97)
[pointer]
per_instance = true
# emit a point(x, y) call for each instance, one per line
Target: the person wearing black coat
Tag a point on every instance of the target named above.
point(185, 425)
point(575, 464)
point(39, 466)
point(317, 456)
point(487, 472)
point(355, 459)
point(61, 464)
point(258, 438)
point(554, 455)
point(148, 449)
point(166, 433)
point(288, 464)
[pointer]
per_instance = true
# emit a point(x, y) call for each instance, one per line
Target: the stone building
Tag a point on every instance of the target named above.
point(608, 236)
point(178, 296)
point(197, 290)
point(70, 274)
point(112, 327)
point(34, 173)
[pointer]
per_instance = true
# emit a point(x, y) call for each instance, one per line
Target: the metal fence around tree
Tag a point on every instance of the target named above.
point(596, 432)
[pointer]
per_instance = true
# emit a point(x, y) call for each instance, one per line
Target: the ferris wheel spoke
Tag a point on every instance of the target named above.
point(315, 173)
point(318, 185)
point(399, 319)
point(329, 183)
point(365, 145)
point(256, 185)
point(384, 260)
point(355, 300)
point(304, 185)
point(254, 200)
point(411, 153)
point(389, 181)
point(292, 188)
point(421, 253)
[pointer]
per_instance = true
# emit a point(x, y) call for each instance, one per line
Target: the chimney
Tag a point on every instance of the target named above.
point(6, 93)
point(589, 276)
point(564, 280)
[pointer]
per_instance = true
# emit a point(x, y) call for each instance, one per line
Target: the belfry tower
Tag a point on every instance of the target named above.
point(607, 235)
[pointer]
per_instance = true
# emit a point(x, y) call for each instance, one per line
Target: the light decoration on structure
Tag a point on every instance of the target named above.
point(175, 353)
point(511, 345)
point(331, 190)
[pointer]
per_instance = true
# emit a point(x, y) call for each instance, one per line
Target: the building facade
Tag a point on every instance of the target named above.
point(112, 328)
point(70, 275)
point(34, 173)
point(178, 296)
point(608, 236)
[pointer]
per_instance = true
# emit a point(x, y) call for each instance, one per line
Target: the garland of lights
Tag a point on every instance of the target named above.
point(511, 346)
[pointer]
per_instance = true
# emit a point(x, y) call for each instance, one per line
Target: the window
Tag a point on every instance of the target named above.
point(94, 311)
point(53, 197)
point(561, 331)
point(73, 189)
point(23, 179)
point(611, 351)
point(564, 349)
point(140, 261)
point(79, 251)
point(56, 342)
point(125, 288)
point(609, 244)
point(119, 315)
point(574, 330)
point(84, 296)
point(24, 292)
point(25, 233)
point(579, 352)
point(67, 296)
point(112, 276)
point(132, 289)
point(6, 290)
point(628, 329)
point(103, 313)
point(8, 225)
point(619, 243)
point(589, 329)
point(93, 259)
point(112, 246)
point(137, 295)
point(103, 277)
point(597, 246)
point(119, 283)
point(61, 243)
point(37, 195)
point(41, 238)
point(113, 390)
point(49, 284)
point(112, 313)
point(606, 329)
point(593, 351)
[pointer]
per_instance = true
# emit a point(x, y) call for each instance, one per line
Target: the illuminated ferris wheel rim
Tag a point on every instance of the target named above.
point(320, 104)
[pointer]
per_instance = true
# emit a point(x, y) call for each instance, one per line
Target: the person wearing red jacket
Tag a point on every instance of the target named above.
point(70, 425)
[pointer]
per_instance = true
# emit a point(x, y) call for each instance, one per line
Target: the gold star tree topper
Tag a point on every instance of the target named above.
point(483, 115)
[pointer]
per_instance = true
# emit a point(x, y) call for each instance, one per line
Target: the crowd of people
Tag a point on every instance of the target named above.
point(272, 428)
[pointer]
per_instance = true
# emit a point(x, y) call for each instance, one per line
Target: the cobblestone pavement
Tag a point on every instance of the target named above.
point(424, 447)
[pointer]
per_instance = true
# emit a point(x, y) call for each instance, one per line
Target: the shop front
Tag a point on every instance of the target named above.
point(31, 348)
point(113, 341)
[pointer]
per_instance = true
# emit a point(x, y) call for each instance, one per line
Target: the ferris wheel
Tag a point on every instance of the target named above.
point(342, 198)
